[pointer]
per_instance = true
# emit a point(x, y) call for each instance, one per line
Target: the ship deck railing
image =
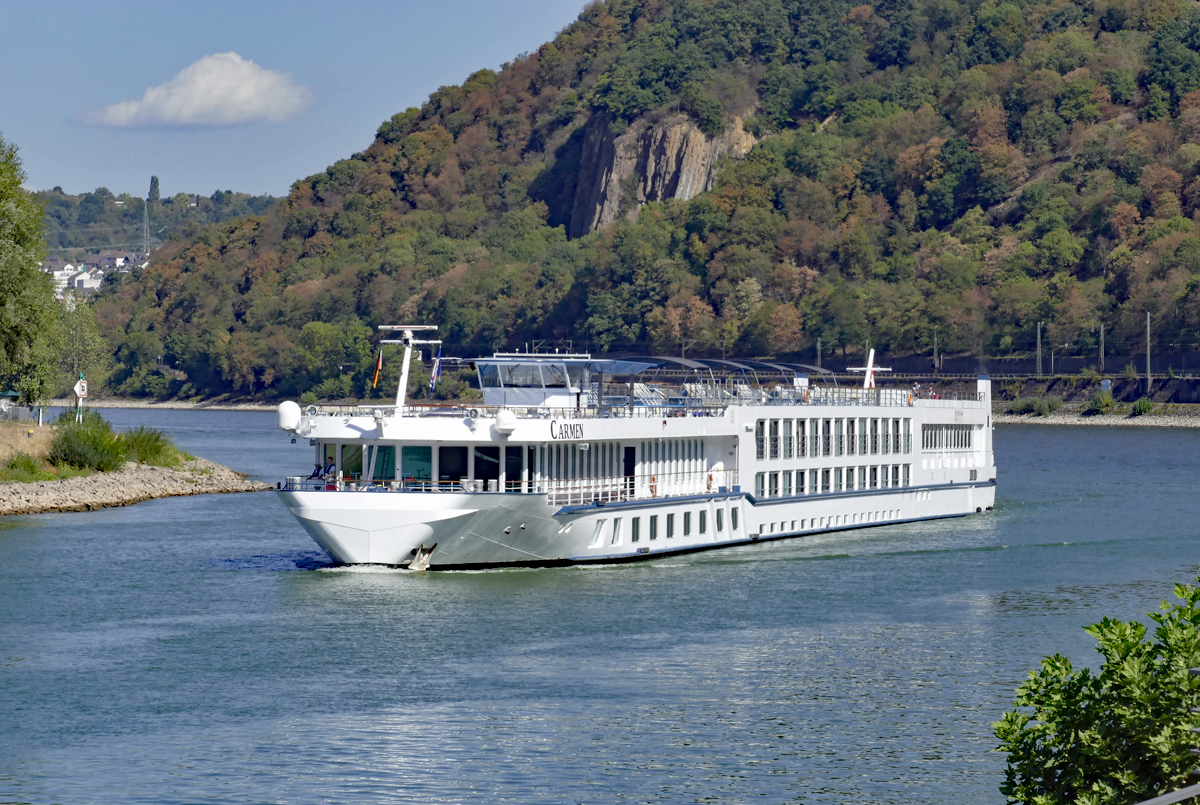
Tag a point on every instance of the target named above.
point(559, 492)
point(672, 402)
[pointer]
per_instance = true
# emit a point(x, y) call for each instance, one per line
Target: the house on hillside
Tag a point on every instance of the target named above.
point(87, 281)
point(62, 272)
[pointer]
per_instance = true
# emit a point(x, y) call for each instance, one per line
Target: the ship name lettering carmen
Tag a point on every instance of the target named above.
point(565, 430)
point(677, 455)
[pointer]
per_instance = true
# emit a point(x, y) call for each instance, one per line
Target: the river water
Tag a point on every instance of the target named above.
point(202, 649)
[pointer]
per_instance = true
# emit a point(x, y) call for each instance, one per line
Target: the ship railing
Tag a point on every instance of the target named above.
point(643, 486)
point(685, 401)
point(576, 491)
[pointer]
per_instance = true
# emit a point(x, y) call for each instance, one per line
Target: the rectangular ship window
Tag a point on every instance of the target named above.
point(702, 526)
point(862, 477)
point(760, 484)
point(774, 484)
point(895, 475)
point(635, 529)
point(874, 477)
point(653, 526)
point(837, 479)
point(895, 435)
point(670, 526)
point(850, 445)
point(787, 438)
point(687, 524)
point(787, 482)
point(838, 443)
point(616, 535)
point(760, 446)
point(801, 439)
point(733, 519)
point(849, 478)
point(824, 480)
point(416, 464)
point(813, 481)
point(907, 469)
point(800, 488)
point(720, 520)
point(774, 438)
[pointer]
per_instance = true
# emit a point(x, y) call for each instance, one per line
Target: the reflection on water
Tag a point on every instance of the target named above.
point(203, 650)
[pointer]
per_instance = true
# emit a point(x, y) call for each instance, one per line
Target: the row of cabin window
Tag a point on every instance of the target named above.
point(947, 437)
point(831, 479)
point(635, 533)
point(659, 458)
point(810, 438)
point(831, 521)
point(568, 461)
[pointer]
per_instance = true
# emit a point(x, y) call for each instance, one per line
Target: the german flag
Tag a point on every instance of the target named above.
point(378, 368)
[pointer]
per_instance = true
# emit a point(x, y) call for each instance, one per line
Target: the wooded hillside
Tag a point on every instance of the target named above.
point(970, 168)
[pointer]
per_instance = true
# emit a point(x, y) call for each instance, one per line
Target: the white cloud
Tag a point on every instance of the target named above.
point(218, 90)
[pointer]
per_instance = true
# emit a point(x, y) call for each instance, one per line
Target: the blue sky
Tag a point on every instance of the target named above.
point(309, 84)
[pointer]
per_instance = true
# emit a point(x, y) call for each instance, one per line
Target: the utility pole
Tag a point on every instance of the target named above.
point(146, 228)
point(1039, 350)
point(1101, 347)
point(1147, 353)
point(818, 352)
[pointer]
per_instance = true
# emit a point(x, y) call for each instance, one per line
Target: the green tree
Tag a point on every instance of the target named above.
point(28, 332)
point(1117, 735)
point(83, 348)
point(154, 197)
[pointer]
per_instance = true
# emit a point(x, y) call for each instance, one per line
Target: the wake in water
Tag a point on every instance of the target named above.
point(298, 560)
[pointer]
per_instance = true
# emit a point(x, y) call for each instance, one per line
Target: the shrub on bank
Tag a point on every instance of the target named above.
point(1042, 406)
point(149, 446)
point(24, 468)
point(1143, 406)
point(1101, 402)
point(87, 445)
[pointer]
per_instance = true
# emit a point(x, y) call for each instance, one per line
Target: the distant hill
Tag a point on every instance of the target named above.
point(726, 177)
point(101, 220)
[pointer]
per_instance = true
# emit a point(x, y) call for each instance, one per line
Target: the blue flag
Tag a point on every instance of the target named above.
point(437, 370)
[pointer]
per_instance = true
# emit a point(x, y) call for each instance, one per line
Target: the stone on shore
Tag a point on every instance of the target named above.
point(126, 486)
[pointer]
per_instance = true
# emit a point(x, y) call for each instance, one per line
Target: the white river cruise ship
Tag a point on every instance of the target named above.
point(574, 459)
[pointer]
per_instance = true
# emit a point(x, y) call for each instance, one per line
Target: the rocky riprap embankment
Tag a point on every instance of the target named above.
point(133, 484)
point(1178, 416)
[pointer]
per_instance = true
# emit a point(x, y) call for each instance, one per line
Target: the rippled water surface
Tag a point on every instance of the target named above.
point(202, 650)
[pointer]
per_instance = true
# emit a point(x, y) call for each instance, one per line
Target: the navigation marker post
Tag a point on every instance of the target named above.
point(80, 395)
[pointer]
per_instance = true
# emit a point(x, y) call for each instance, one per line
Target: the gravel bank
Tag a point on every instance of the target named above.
point(1188, 417)
point(133, 484)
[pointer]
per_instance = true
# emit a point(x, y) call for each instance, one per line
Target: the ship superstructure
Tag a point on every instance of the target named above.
point(571, 458)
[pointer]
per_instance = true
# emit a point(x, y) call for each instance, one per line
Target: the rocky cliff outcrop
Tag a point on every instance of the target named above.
point(671, 158)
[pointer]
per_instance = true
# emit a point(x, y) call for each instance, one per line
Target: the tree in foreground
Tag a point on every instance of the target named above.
point(1116, 736)
point(28, 312)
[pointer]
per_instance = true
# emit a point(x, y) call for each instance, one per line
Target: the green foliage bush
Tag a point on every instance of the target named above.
point(23, 468)
point(1130, 372)
point(1143, 406)
point(88, 445)
point(1101, 402)
point(1118, 735)
point(1042, 406)
point(147, 445)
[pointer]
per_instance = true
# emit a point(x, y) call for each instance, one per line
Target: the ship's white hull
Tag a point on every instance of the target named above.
point(495, 529)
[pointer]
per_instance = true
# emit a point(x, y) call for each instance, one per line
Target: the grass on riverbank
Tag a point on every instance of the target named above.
point(71, 449)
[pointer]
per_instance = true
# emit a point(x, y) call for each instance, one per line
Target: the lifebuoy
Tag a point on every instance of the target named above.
point(653, 486)
point(710, 482)
point(910, 398)
point(806, 395)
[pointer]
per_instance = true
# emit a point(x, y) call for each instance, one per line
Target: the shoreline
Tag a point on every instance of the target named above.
point(177, 405)
point(1073, 418)
point(124, 487)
